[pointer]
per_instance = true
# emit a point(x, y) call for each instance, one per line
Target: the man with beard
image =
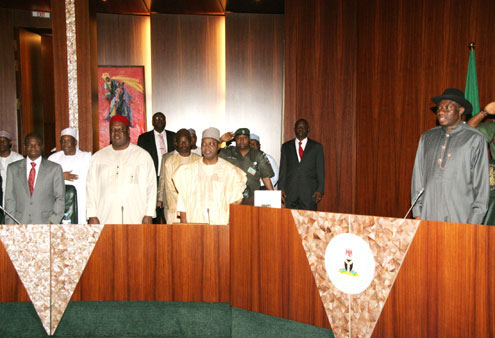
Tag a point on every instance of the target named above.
point(207, 187)
point(252, 161)
point(75, 164)
point(35, 190)
point(450, 173)
point(166, 189)
point(121, 184)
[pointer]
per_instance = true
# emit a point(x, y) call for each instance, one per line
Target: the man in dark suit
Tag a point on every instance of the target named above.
point(302, 170)
point(35, 189)
point(157, 142)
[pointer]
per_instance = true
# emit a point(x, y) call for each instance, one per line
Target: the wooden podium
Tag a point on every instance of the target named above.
point(445, 288)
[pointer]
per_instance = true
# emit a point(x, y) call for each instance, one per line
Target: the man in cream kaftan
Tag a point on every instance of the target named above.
point(121, 183)
point(166, 189)
point(207, 187)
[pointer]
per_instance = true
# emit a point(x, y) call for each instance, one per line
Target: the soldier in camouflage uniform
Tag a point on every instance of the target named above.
point(252, 161)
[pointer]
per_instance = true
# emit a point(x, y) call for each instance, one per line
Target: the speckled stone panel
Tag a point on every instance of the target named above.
point(388, 238)
point(28, 247)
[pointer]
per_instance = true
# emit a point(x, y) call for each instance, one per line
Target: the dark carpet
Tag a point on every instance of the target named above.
point(152, 319)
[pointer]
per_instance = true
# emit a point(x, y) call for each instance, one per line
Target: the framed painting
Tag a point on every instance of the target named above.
point(121, 91)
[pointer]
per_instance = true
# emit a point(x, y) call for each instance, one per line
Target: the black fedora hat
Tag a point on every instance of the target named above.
point(454, 95)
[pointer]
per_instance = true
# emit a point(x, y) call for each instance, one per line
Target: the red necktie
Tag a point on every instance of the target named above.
point(301, 151)
point(32, 175)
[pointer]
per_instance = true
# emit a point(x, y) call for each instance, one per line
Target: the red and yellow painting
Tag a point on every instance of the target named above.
point(121, 92)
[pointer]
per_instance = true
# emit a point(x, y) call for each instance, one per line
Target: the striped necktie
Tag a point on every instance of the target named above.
point(32, 175)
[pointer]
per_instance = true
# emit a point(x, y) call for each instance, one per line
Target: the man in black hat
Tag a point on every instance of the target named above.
point(252, 161)
point(451, 166)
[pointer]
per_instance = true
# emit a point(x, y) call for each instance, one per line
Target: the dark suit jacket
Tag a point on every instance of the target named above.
point(47, 204)
point(147, 142)
point(300, 180)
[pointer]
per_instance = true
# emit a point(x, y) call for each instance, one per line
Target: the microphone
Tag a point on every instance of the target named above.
point(208, 212)
point(415, 200)
point(8, 214)
point(122, 210)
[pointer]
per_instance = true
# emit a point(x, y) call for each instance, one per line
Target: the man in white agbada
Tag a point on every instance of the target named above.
point(166, 189)
point(75, 164)
point(121, 184)
point(207, 187)
point(7, 156)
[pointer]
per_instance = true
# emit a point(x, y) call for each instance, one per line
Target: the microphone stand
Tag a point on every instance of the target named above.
point(415, 200)
point(8, 214)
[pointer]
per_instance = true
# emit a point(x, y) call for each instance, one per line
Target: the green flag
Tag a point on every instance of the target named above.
point(471, 92)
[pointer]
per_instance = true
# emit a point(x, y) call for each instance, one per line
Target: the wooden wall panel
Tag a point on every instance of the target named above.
point(254, 72)
point(87, 72)
point(410, 51)
point(48, 93)
point(363, 74)
point(8, 112)
point(188, 58)
point(124, 40)
point(321, 52)
point(30, 64)
point(60, 74)
point(270, 273)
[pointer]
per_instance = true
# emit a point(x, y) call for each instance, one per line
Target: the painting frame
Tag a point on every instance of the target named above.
point(122, 91)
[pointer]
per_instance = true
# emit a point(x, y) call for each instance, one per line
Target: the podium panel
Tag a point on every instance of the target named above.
point(270, 273)
point(146, 262)
point(446, 286)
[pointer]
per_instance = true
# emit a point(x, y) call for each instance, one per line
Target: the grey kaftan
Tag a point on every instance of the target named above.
point(453, 169)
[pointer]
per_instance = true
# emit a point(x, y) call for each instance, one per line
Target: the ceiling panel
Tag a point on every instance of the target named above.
point(141, 7)
point(255, 6)
point(30, 5)
point(188, 6)
point(144, 7)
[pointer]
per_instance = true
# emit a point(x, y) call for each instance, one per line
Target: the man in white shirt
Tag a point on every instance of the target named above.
point(7, 156)
point(75, 164)
point(121, 183)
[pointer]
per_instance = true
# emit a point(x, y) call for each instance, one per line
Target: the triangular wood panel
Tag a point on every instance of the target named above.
point(388, 238)
point(49, 260)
